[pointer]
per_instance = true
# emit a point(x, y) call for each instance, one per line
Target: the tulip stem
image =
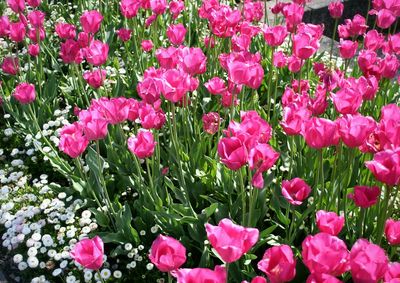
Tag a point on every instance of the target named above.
point(243, 193)
point(333, 38)
point(169, 277)
point(383, 215)
point(227, 271)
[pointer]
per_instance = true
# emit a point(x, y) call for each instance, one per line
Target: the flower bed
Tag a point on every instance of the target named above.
point(155, 140)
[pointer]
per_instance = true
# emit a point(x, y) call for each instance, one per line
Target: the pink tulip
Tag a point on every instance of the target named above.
point(93, 124)
point(392, 274)
point(253, 11)
point(261, 158)
point(91, 21)
point(215, 86)
point(293, 14)
point(34, 50)
point(280, 60)
point(347, 100)
point(193, 61)
point(394, 42)
point(373, 40)
point(211, 122)
point(95, 78)
point(114, 110)
point(389, 66)
point(275, 36)
point(231, 241)
point(176, 34)
point(200, 275)
point(355, 129)
point(151, 118)
point(34, 3)
point(293, 119)
point(97, 53)
point(142, 145)
point(85, 39)
point(347, 48)
point(158, 6)
point(147, 45)
point(364, 196)
point(233, 152)
point(89, 253)
point(385, 18)
point(10, 65)
point(167, 57)
point(336, 9)
point(167, 254)
point(329, 222)
point(25, 93)
point(294, 63)
point(72, 141)
point(392, 232)
point(295, 191)
point(129, 8)
point(37, 35)
point(369, 87)
point(320, 133)
point(175, 85)
point(4, 26)
point(36, 18)
point(325, 254)
point(149, 89)
point(318, 103)
point(386, 166)
point(70, 52)
point(246, 72)
point(176, 7)
point(17, 31)
point(322, 278)
point(124, 34)
point(368, 262)
point(388, 128)
point(279, 264)
point(304, 45)
point(17, 6)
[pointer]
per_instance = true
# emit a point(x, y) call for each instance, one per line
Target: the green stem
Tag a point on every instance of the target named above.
point(333, 38)
point(243, 193)
point(383, 215)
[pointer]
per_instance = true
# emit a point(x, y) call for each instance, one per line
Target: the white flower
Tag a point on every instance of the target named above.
point(51, 253)
point(33, 262)
point(63, 264)
point(128, 246)
point(154, 229)
point(17, 258)
point(140, 247)
point(32, 251)
point(150, 266)
point(71, 279)
point(47, 240)
point(88, 275)
point(22, 265)
point(142, 233)
point(36, 237)
point(56, 272)
point(105, 273)
point(117, 274)
point(86, 214)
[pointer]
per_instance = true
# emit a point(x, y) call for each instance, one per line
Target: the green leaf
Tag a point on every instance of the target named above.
point(101, 217)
